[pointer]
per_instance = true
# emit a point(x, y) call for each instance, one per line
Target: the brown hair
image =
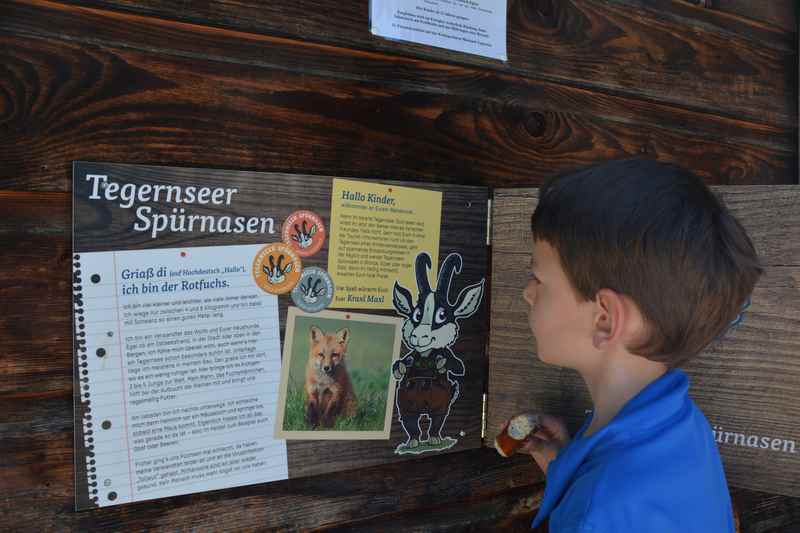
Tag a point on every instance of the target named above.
point(655, 233)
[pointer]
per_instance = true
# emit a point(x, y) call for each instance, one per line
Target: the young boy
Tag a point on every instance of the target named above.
point(636, 267)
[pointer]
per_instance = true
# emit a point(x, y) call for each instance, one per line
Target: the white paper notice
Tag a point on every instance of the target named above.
point(182, 366)
point(471, 26)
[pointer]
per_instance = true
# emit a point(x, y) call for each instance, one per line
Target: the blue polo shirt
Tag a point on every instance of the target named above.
point(654, 468)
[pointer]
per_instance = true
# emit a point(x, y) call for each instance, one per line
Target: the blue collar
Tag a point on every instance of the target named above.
point(636, 419)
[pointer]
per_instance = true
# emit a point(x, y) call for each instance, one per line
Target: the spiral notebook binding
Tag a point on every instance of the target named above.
point(83, 380)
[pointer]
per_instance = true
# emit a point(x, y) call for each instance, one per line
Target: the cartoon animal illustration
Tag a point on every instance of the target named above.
point(425, 386)
point(312, 291)
point(329, 392)
point(276, 274)
point(304, 238)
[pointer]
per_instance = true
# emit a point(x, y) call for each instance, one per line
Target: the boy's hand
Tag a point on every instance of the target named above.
point(546, 442)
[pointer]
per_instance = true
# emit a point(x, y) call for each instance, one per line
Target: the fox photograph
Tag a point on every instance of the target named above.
point(336, 376)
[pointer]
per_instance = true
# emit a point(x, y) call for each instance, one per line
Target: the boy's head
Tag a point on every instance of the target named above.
point(638, 235)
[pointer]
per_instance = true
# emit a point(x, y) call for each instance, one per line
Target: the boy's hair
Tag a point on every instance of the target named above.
point(655, 233)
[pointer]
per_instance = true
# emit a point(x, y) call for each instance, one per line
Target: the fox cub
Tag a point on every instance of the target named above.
point(329, 391)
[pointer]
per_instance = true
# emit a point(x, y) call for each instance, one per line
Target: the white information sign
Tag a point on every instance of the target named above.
point(183, 366)
point(471, 26)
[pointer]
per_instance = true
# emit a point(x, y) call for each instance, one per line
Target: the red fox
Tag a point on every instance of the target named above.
point(329, 391)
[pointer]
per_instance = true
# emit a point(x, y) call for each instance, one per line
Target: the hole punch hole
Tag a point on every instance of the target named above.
point(106, 424)
point(101, 352)
point(95, 278)
point(112, 495)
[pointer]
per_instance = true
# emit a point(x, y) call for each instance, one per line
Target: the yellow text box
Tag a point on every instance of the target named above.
point(376, 232)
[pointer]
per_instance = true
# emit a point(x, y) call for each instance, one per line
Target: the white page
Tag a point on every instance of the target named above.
point(184, 396)
point(471, 26)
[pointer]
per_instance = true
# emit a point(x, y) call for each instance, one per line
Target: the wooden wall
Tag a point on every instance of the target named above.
point(302, 86)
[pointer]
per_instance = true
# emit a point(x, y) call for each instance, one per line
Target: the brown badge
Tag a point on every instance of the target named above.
point(277, 268)
point(304, 231)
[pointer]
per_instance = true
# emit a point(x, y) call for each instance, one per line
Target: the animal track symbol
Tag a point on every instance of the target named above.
point(312, 291)
point(304, 238)
point(276, 274)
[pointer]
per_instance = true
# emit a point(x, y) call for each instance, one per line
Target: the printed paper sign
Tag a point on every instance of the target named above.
point(471, 26)
point(376, 232)
point(181, 354)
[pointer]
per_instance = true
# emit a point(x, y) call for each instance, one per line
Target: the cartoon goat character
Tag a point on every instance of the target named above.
point(425, 387)
point(276, 274)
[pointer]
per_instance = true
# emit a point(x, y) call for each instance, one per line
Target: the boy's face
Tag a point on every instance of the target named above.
point(561, 323)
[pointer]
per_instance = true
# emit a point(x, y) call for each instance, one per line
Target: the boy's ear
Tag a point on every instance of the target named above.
point(609, 318)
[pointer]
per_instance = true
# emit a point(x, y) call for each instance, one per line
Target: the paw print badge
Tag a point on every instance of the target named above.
point(314, 291)
point(304, 231)
point(276, 268)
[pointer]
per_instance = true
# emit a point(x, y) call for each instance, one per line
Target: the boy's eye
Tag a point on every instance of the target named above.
point(532, 275)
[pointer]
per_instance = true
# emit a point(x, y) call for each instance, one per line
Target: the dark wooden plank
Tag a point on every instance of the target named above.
point(754, 512)
point(659, 50)
point(95, 88)
point(759, 512)
point(745, 383)
point(35, 306)
point(781, 13)
point(510, 512)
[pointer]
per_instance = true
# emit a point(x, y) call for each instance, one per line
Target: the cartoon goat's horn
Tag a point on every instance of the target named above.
point(451, 265)
point(423, 264)
point(280, 261)
point(272, 262)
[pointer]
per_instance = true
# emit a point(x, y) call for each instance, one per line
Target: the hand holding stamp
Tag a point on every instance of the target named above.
point(541, 436)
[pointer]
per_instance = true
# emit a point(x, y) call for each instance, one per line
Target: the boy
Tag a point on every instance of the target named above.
point(636, 267)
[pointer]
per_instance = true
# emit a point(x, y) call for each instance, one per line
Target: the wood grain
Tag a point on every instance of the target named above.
point(97, 87)
point(781, 13)
point(760, 512)
point(659, 50)
point(511, 511)
point(304, 87)
point(744, 383)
